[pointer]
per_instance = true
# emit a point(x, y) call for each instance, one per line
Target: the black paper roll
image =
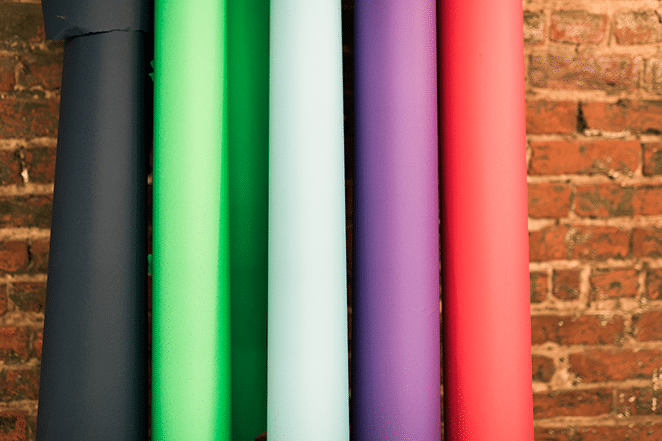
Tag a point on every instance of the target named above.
point(94, 360)
point(69, 18)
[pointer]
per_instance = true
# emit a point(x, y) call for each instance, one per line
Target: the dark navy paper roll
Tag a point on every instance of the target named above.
point(94, 361)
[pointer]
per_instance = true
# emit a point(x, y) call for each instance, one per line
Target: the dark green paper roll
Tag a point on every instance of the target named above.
point(248, 118)
point(191, 395)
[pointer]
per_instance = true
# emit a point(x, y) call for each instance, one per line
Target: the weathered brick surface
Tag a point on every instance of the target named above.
point(647, 326)
point(543, 368)
point(583, 72)
point(584, 157)
point(21, 118)
point(614, 365)
point(578, 27)
point(29, 296)
point(41, 164)
point(22, 384)
point(637, 27)
point(606, 284)
point(10, 168)
point(620, 433)
point(13, 426)
point(639, 402)
point(38, 343)
point(14, 343)
point(569, 330)
point(647, 242)
point(538, 285)
point(633, 115)
point(20, 24)
point(39, 256)
point(549, 200)
point(652, 159)
point(13, 256)
point(589, 402)
point(604, 200)
point(26, 211)
point(578, 242)
point(654, 284)
point(534, 27)
point(653, 75)
point(545, 434)
point(551, 117)
point(566, 284)
point(41, 69)
point(7, 77)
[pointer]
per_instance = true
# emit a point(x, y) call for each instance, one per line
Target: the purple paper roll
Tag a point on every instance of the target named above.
point(395, 333)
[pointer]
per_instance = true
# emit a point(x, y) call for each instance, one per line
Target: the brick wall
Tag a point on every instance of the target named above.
point(594, 152)
point(30, 70)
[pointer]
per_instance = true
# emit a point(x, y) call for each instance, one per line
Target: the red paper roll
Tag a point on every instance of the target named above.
point(486, 316)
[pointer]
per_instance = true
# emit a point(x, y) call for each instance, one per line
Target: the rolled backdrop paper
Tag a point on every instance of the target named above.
point(94, 361)
point(395, 308)
point(191, 395)
point(307, 389)
point(248, 131)
point(487, 328)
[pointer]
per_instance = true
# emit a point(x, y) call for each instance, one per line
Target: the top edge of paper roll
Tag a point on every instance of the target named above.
point(70, 18)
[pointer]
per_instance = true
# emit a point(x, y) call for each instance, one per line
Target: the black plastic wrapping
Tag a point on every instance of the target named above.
point(94, 360)
point(69, 18)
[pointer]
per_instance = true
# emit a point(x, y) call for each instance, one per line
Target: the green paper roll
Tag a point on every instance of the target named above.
point(248, 131)
point(190, 303)
point(307, 352)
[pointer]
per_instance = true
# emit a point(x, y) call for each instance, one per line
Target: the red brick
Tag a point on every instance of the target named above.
point(545, 434)
point(534, 25)
point(538, 285)
point(635, 116)
point(569, 330)
point(29, 296)
point(647, 200)
point(614, 365)
point(584, 157)
point(566, 284)
point(41, 164)
point(551, 117)
point(13, 256)
point(583, 72)
point(41, 69)
point(647, 326)
point(39, 251)
point(26, 211)
point(652, 158)
point(549, 200)
point(561, 242)
point(10, 168)
point(14, 343)
point(7, 77)
point(654, 284)
point(21, 118)
point(590, 402)
point(646, 242)
point(3, 298)
point(637, 27)
point(20, 384)
point(578, 27)
point(653, 75)
point(19, 24)
point(38, 343)
point(639, 402)
point(613, 283)
point(13, 426)
point(620, 433)
point(603, 200)
point(543, 368)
